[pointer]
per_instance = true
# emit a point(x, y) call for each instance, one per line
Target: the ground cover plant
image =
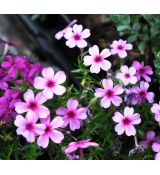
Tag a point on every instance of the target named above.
point(113, 114)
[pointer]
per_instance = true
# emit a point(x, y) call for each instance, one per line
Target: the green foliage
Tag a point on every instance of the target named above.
point(144, 30)
point(157, 63)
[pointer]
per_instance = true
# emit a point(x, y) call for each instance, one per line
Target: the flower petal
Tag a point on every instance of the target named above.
point(48, 73)
point(57, 122)
point(39, 83)
point(57, 136)
point(60, 77)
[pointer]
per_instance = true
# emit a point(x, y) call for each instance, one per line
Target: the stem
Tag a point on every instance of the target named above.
point(136, 141)
point(81, 154)
point(81, 53)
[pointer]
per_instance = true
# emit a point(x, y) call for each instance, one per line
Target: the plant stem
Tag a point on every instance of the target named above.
point(135, 141)
point(81, 154)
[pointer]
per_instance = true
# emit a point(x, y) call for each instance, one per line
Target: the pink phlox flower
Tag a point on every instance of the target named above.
point(126, 122)
point(73, 146)
point(28, 128)
point(127, 75)
point(156, 148)
point(32, 105)
point(76, 36)
point(142, 71)
point(120, 47)
point(150, 139)
point(72, 115)
point(97, 60)
point(51, 132)
point(156, 110)
point(109, 93)
point(50, 83)
point(61, 33)
point(142, 93)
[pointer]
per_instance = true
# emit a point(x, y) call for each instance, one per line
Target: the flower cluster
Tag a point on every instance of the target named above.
point(29, 93)
point(16, 73)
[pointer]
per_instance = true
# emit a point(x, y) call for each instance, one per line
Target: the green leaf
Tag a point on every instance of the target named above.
point(132, 38)
point(123, 27)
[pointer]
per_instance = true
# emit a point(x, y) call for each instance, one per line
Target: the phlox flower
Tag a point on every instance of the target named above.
point(7, 103)
point(50, 83)
point(109, 93)
point(32, 105)
point(126, 122)
point(72, 115)
point(73, 146)
point(75, 36)
point(156, 148)
point(51, 131)
point(3, 84)
point(74, 157)
point(130, 97)
point(127, 75)
point(156, 110)
point(120, 47)
point(13, 65)
point(97, 60)
point(150, 139)
point(28, 128)
point(61, 33)
point(142, 71)
point(142, 93)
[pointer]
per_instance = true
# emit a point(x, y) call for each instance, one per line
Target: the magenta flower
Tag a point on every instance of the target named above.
point(156, 148)
point(72, 115)
point(142, 71)
point(150, 139)
point(32, 72)
point(156, 110)
point(7, 102)
point(127, 75)
point(74, 157)
point(76, 36)
point(97, 60)
point(73, 146)
point(61, 33)
point(126, 122)
point(13, 65)
point(32, 105)
point(50, 132)
point(50, 83)
point(142, 93)
point(28, 128)
point(109, 93)
point(120, 47)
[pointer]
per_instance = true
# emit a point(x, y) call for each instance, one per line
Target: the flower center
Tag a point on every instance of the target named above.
point(77, 37)
point(98, 59)
point(120, 47)
point(142, 93)
point(127, 75)
point(48, 129)
point(29, 126)
point(50, 84)
point(32, 105)
point(71, 114)
point(141, 70)
point(110, 93)
point(126, 121)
